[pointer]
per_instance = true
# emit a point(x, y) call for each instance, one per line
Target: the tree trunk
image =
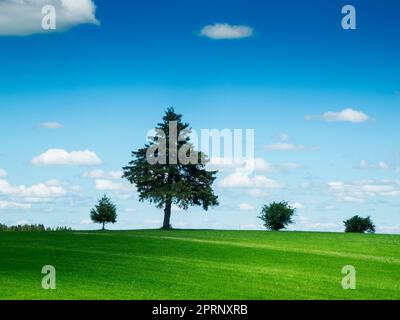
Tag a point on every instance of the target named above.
point(167, 215)
point(104, 226)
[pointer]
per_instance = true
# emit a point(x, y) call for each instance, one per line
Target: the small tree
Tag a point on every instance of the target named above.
point(104, 212)
point(359, 224)
point(277, 215)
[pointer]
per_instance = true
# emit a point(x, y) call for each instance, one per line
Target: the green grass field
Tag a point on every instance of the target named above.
point(199, 265)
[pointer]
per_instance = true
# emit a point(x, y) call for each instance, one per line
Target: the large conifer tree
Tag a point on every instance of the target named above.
point(169, 171)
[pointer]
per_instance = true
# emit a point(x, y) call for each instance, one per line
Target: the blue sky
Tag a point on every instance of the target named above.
point(107, 77)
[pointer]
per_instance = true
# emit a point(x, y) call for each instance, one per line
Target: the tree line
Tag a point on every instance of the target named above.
point(30, 228)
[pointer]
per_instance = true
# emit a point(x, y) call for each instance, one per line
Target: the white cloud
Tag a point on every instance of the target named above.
point(256, 193)
point(3, 173)
point(75, 188)
point(242, 173)
point(175, 208)
point(288, 166)
point(381, 165)
point(63, 157)
point(318, 226)
point(257, 164)
point(14, 205)
point(24, 17)
point(43, 190)
point(49, 189)
point(360, 191)
point(220, 31)
point(389, 229)
point(242, 180)
point(122, 190)
point(245, 207)
point(109, 181)
point(86, 221)
point(304, 223)
point(107, 185)
point(249, 165)
point(297, 205)
point(284, 146)
point(346, 115)
point(51, 125)
point(242, 164)
point(224, 164)
point(100, 174)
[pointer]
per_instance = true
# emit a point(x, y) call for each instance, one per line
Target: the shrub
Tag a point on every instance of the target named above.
point(359, 224)
point(277, 215)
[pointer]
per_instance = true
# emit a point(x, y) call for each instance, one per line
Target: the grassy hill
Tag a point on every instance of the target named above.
point(199, 265)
